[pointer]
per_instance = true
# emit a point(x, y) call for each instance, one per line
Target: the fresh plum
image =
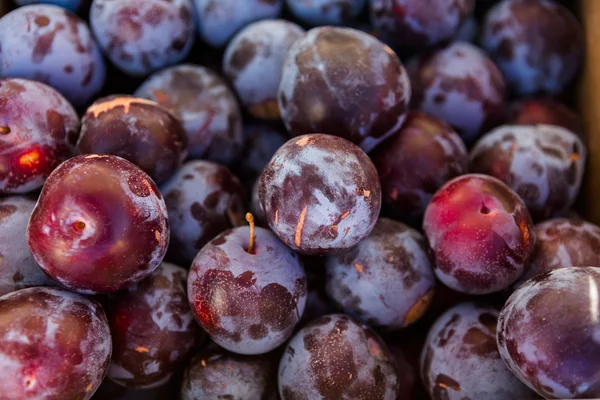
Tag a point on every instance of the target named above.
point(544, 111)
point(325, 12)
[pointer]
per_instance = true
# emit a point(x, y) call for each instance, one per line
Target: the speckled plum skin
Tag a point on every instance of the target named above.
point(460, 359)
point(320, 194)
point(247, 303)
point(548, 333)
point(219, 20)
point(152, 328)
point(544, 111)
point(415, 162)
point(55, 345)
point(18, 270)
point(253, 61)
point(38, 128)
point(343, 82)
point(100, 225)
point(222, 375)
point(562, 243)
point(535, 55)
point(460, 85)
point(71, 5)
point(50, 44)
point(203, 199)
point(480, 234)
point(142, 36)
point(136, 129)
point(417, 23)
point(335, 357)
point(325, 12)
point(544, 164)
point(386, 280)
point(206, 106)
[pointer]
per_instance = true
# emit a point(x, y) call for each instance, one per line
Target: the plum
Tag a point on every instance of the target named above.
point(38, 128)
point(99, 226)
point(544, 111)
point(320, 194)
point(55, 345)
point(480, 234)
point(326, 12)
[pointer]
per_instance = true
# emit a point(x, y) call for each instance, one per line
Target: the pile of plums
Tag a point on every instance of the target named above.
point(296, 200)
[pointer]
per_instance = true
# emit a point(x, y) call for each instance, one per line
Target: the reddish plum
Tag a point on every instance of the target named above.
point(325, 12)
point(139, 130)
point(480, 233)
point(55, 345)
point(320, 194)
point(544, 111)
point(99, 226)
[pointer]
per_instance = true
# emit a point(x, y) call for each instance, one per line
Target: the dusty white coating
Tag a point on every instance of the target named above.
point(71, 49)
point(459, 346)
point(72, 5)
point(207, 107)
point(219, 20)
point(254, 58)
point(325, 12)
point(138, 38)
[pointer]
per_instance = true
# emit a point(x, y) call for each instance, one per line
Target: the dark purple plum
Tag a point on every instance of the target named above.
point(152, 327)
point(50, 44)
point(537, 44)
point(544, 111)
point(343, 82)
point(325, 12)
point(18, 269)
point(206, 106)
point(38, 128)
point(321, 194)
point(460, 85)
point(247, 290)
point(55, 345)
point(386, 280)
point(139, 130)
point(548, 333)
point(543, 164)
point(142, 36)
point(100, 225)
point(460, 360)
point(253, 61)
point(415, 162)
point(335, 357)
point(222, 375)
point(418, 23)
point(71, 5)
point(203, 199)
point(480, 234)
point(219, 20)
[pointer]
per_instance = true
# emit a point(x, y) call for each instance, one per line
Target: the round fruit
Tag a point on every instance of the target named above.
point(326, 12)
point(544, 111)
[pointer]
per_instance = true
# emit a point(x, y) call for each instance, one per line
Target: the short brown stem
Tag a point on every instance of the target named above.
point(250, 219)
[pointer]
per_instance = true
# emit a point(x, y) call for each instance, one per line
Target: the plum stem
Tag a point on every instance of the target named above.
point(250, 219)
point(4, 130)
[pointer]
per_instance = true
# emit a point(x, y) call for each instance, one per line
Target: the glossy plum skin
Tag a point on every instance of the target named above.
point(460, 360)
point(71, 5)
point(55, 345)
point(563, 243)
point(18, 269)
point(219, 20)
point(548, 333)
point(142, 36)
point(523, 38)
point(386, 280)
point(325, 12)
point(320, 194)
point(335, 357)
point(100, 225)
point(223, 375)
point(206, 106)
point(544, 111)
point(544, 164)
point(203, 199)
point(415, 23)
point(38, 130)
point(56, 48)
point(247, 303)
point(139, 130)
point(480, 234)
point(424, 144)
point(152, 328)
point(253, 61)
point(343, 82)
point(460, 85)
